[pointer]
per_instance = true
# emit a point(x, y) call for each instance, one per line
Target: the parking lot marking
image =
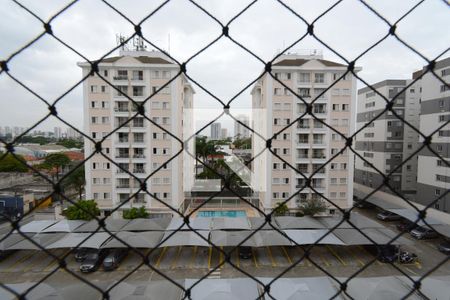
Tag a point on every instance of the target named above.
point(160, 257)
point(322, 258)
point(411, 271)
point(238, 262)
point(287, 255)
point(376, 261)
point(418, 265)
point(177, 256)
point(353, 254)
point(39, 259)
point(194, 255)
point(336, 255)
point(22, 259)
point(220, 257)
point(272, 260)
point(254, 258)
point(304, 259)
point(209, 257)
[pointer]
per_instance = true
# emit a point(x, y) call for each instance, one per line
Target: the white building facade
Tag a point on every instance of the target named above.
point(138, 146)
point(307, 144)
point(241, 131)
point(387, 141)
point(433, 178)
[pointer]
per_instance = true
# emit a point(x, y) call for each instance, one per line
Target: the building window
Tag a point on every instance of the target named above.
point(277, 91)
point(304, 77)
point(444, 88)
point(319, 77)
point(342, 194)
point(333, 181)
point(138, 91)
point(94, 89)
point(437, 192)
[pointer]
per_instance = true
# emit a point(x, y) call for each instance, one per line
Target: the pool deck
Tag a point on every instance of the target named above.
point(250, 212)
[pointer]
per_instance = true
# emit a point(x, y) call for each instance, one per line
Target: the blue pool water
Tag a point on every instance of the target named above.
point(222, 213)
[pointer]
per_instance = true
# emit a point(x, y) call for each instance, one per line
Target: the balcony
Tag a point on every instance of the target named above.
point(137, 78)
point(120, 171)
point(319, 156)
point(120, 77)
point(139, 156)
point(122, 156)
point(122, 140)
point(319, 142)
point(123, 186)
point(139, 171)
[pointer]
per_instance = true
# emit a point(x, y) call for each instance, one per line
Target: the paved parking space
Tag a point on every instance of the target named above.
point(203, 258)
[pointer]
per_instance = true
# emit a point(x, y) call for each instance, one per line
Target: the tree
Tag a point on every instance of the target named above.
point(83, 210)
point(312, 207)
point(244, 143)
point(70, 143)
point(76, 180)
point(55, 161)
point(10, 163)
point(281, 209)
point(135, 213)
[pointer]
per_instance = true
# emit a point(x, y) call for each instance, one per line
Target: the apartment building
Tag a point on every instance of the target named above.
point(240, 131)
point(307, 144)
point(387, 141)
point(138, 146)
point(433, 178)
point(216, 131)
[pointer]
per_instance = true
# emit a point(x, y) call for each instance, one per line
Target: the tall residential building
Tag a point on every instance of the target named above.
point(57, 132)
point(241, 131)
point(139, 146)
point(223, 134)
point(433, 179)
point(216, 131)
point(307, 144)
point(387, 141)
point(72, 133)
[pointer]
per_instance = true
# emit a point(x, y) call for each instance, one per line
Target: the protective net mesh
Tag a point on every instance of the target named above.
point(183, 71)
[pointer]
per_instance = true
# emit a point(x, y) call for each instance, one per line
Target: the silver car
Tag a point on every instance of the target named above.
point(423, 233)
point(388, 216)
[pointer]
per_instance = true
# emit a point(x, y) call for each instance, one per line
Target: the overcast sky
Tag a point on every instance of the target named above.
point(90, 27)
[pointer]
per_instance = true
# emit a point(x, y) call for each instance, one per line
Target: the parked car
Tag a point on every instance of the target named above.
point(363, 204)
point(114, 258)
point(245, 252)
point(93, 260)
point(444, 247)
point(5, 253)
point(384, 253)
point(423, 233)
point(81, 253)
point(388, 216)
point(406, 226)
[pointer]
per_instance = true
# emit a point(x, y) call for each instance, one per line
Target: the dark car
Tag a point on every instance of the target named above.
point(359, 203)
point(81, 253)
point(444, 247)
point(388, 216)
point(93, 260)
point(406, 226)
point(384, 253)
point(245, 252)
point(423, 233)
point(114, 258)
point(5, 253)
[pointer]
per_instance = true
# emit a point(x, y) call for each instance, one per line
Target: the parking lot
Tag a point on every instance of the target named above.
point(196, 262)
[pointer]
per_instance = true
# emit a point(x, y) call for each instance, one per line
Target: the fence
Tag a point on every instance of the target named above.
point(311, 32)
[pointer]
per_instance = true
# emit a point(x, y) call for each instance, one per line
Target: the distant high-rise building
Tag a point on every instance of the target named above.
point(216, 131)
point(241, 131)
point(138, 146)
point(387, 141)
point(433, 179)
point(223, 133)
point(8, 130)
point(308, 144)
point(57, 132)
point(72, 133)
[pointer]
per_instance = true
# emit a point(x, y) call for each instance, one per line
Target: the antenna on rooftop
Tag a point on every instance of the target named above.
point(121, 41)
point(138, 44)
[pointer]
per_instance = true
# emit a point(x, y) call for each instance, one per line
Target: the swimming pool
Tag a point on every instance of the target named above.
point(222, 213)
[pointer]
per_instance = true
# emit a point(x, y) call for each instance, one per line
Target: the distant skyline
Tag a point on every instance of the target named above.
point(50, 69)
